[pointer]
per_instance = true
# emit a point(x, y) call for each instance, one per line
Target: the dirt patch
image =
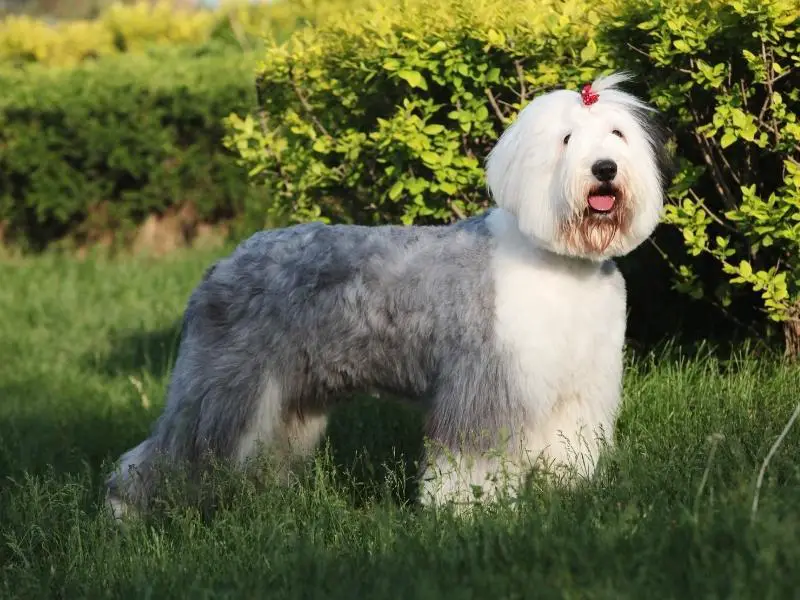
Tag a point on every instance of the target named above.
point(176, 228)
point(160, 234)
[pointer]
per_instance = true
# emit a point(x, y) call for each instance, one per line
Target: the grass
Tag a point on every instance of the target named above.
point(85, 352)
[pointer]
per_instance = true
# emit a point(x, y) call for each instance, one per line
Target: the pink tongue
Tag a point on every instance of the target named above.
point(603, 203)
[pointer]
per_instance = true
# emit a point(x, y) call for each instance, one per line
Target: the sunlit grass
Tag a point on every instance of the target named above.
point(85, 353)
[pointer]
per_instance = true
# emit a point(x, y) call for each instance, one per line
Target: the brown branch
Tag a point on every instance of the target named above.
point(730, 75)
point(638, 50)
point(770, 87)
point(646, 55)
point(308, 108)
point(464, 140)
point(730, 168)
point(523, 93)
point(262, 122)
point(458, 212)
point(719, 181)
point(763, 111)
point(711, 214)
point(707, 152)
point(496, 108)
point(782, 75)
point(533, 92)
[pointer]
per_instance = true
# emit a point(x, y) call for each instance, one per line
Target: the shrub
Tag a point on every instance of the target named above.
point(124, 137)
point(122, 27)
point(138, 26)
point(24, 39)
point(387, 115)
point(728, 76)
point(141, 25)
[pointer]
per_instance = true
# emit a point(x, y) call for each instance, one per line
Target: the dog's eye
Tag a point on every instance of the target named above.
point(618, 133)
point(566, 138)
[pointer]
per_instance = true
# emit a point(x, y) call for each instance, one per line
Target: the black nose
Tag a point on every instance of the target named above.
point(604, 170)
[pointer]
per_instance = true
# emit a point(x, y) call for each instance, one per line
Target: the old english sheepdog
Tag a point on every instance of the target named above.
point(507, 327)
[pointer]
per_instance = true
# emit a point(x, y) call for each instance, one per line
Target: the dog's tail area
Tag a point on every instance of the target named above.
point(212, 395)
point(131, 484)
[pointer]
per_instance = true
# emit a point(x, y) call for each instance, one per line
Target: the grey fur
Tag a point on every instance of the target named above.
point(329, 310)
point(295, 319)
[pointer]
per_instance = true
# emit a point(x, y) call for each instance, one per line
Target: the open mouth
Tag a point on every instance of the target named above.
point(602, 199)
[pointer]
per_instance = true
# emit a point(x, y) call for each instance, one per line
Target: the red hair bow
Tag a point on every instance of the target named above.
point(588, 96)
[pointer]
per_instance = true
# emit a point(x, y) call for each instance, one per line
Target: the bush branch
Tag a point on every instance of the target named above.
point(523, 92)
point(307, 107)
point(493, 102)
point(708, 156)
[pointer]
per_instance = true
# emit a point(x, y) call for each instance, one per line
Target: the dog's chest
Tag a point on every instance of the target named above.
point(556, 322)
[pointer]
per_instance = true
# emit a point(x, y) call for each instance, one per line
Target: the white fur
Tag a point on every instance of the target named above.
point(288, 436)
point(560, 312)
point(268, 417)
point(564, 317)
point(559, 304)
point(541, 181)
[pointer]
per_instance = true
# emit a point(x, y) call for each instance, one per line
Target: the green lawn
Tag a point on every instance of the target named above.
point(85, 352)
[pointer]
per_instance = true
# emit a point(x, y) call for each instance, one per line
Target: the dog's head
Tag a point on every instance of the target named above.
point(583, 172)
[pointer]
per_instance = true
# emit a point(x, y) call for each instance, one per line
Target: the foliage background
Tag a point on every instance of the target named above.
point(376, 112)
point(387, 115)
point(86, 346)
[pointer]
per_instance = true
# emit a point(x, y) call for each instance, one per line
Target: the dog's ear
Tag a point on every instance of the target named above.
point(661, 142)
point(499, 164)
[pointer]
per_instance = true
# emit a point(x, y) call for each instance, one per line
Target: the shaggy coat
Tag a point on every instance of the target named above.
point(508, 327)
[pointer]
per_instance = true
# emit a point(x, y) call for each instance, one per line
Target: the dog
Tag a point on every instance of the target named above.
point(508, 327)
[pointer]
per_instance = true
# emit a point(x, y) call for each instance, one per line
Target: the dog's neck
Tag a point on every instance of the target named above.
point(504, 227)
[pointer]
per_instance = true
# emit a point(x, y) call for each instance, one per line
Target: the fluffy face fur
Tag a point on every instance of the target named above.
point(507, 327)
point(541, 171)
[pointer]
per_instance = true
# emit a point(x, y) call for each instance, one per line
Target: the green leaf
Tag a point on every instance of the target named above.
point(496, 38)
point(414, 78)
point(396, 190)
point(430, 157)
point(589, 51)
point(448, 188)
point(727, 139)
point(681, 45)
point(745, 269)
point(433, 129)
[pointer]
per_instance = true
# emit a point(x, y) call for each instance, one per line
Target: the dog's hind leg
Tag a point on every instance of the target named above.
point(279, 432)
point(217, 401)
